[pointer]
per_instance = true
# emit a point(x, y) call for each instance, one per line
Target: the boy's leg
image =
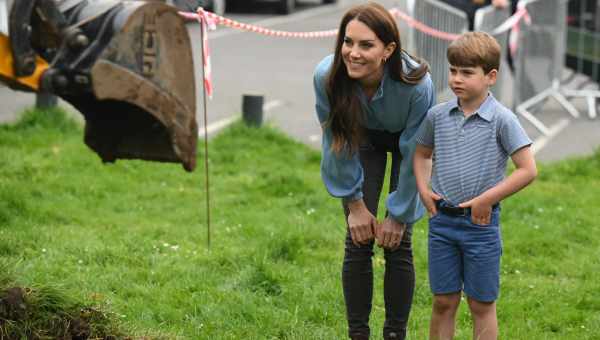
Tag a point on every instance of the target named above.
point(482, 249)
point(445, 274)
point(485, 323)
point(443, 315)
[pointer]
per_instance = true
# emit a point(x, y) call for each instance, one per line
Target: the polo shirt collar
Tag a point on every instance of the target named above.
point(485, 110)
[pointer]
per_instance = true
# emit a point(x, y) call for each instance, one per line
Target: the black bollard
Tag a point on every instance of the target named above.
point(252, 109)
point(45, 100)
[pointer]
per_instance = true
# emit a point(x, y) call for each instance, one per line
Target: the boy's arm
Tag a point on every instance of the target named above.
point(422, 170)
point(525, 173)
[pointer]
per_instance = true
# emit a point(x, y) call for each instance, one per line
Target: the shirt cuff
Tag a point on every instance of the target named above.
point(354, 197)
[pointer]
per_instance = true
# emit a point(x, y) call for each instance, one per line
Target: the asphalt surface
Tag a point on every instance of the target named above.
point(281, 70)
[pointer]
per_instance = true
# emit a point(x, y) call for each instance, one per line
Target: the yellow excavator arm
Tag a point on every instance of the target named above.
point(7, 72)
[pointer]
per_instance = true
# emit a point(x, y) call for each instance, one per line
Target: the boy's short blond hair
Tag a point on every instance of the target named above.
point(474, 49)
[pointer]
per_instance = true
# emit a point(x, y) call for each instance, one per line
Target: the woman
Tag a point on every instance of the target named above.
point(371, 97)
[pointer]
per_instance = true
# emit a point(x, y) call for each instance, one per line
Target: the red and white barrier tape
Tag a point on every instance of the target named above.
point(206, 22)
point(513, 24)
point(209, 20)
point(412, 22)
point(217, 19)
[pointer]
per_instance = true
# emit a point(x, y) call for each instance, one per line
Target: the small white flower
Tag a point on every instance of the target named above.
point(165, 244)
point(175, 247)
point(540, 210)
point(517, 271)
point(310, 211)
point(43, 250)
point(536, 227)
point(531, 286)
point(80, 261)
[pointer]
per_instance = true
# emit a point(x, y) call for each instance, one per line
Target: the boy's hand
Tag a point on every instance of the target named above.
point(429, 201)
point(481, 211)
point(389, 233)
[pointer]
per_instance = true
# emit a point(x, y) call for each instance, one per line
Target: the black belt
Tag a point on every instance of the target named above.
point(456, 211)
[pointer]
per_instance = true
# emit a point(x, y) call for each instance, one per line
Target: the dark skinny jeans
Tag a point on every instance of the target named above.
point(357, 272)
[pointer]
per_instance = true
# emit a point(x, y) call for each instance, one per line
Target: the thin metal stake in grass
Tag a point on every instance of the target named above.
point(205, 138)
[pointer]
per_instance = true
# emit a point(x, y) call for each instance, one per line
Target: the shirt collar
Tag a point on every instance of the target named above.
point(485, 110)
point(379, 93)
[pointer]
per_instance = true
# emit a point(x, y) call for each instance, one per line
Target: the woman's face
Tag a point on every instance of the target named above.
point(363, 53)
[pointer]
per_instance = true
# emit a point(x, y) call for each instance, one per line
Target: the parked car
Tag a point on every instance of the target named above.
point(219, 6)
point(215, 6)
point(288, 6)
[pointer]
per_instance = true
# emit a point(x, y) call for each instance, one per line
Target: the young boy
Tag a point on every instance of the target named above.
point(470, 138)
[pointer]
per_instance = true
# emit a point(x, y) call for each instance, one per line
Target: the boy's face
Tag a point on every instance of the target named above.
point(470, 83)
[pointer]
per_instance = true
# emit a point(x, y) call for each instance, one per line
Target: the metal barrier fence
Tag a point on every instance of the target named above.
point(583, 49)
point(442, 17)
point(446, 18)
point(540, 59)
point(487, 19)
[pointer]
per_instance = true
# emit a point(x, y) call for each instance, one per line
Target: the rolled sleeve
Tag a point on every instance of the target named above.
point(342, 174)
point(425, 134)
point(404, 204)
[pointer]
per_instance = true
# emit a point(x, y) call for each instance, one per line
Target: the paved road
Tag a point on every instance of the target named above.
point(281, 70)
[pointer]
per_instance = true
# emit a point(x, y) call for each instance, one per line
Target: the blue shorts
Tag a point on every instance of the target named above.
point(465, 256)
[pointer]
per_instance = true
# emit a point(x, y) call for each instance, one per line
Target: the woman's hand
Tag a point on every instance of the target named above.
point(390, 233)
point(361, 223)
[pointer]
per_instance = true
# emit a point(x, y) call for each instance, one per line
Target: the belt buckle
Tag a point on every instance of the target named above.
point(462, 211)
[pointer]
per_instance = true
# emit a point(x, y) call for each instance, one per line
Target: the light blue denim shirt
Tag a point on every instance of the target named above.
point(395, 107)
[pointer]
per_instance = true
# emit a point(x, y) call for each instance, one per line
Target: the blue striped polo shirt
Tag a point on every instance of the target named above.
point(470, 153)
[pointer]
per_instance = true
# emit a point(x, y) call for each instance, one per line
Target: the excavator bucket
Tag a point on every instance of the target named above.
point(144, 89)
point(127, 67)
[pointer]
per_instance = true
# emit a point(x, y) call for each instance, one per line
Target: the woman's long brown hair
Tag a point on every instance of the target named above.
point(346, 118)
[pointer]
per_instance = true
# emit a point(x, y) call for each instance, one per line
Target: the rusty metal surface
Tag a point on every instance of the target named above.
point(145, 138)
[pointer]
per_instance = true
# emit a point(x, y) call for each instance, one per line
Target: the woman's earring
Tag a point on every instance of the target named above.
point(384, 59)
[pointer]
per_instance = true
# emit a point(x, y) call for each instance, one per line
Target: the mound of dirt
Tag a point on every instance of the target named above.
point(16, 318)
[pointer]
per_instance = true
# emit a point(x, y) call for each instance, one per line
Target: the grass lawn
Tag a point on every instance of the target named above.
point(127, 241)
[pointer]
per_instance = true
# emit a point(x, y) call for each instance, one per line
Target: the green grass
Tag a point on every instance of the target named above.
point(129, 239)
